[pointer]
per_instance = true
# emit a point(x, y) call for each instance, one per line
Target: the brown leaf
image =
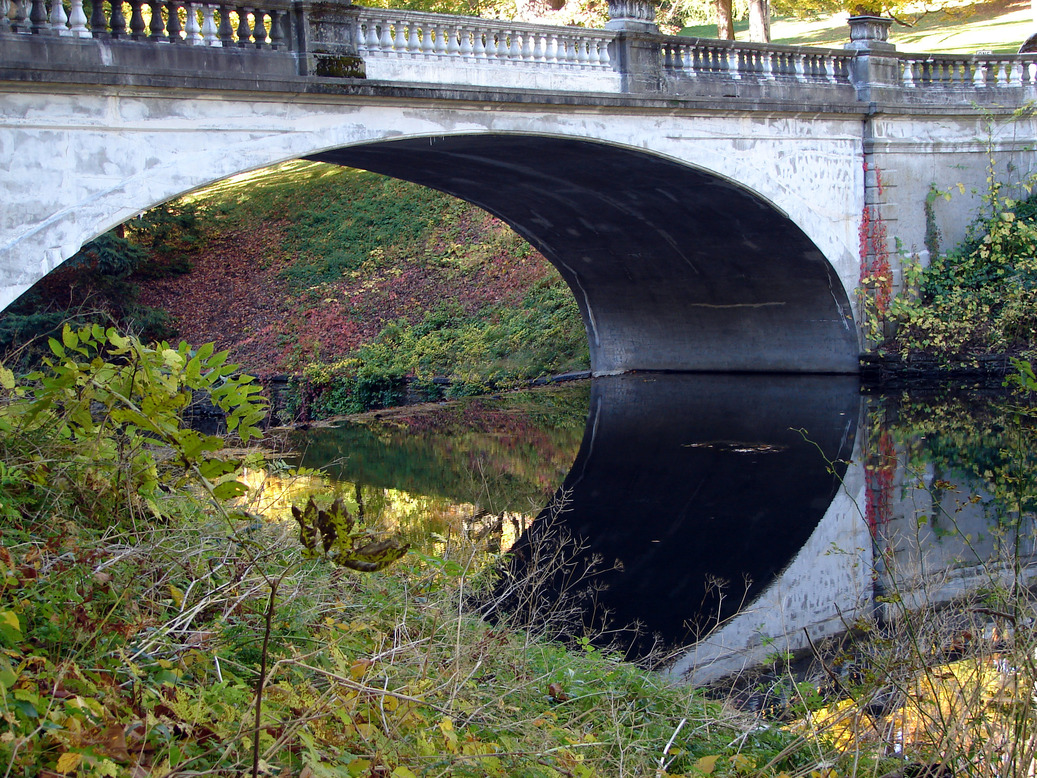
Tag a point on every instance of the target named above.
point(113, 743)
point(555, 692)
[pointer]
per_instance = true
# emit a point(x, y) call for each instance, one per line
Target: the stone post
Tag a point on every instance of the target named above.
point(331, 30)
point(876, 69)
point(636, 51)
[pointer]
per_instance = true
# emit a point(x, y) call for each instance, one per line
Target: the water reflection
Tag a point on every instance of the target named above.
point(698, 490)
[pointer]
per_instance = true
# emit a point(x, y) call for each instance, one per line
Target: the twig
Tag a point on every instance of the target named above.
point(663, 764)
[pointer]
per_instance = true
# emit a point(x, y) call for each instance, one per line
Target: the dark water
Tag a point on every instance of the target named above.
point(732, 514)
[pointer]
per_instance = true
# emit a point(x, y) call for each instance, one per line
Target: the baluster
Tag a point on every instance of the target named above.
point(515, 50)
point(226, 30)
point(371, 43)
point(98, 24)
point(480, 46)
point(58, 18)
point(77, 21)
point(798, 63)
point(192, 30)
point(210, 32)
point(979, 74)
point(537, 46)
point(385, 39)
point(605, 58)
point(581, 52)
point(244, 31)
point(502, 45)
point(156, 27)
point(465, 48)
point(594, 47)
point(427, 42)
point(277, 37)
point(908, 75)
point(767, 65)
point(456, 39)
point(20, 16)
point(259, 30)
point(137, 25)
point(1002, 73)
point(438, 46)
point(551, 47)
point(117, 20)
point(413, 42)
point(173, 28)
point(526, 53)
point(38, 17)
point(731, 64)
point(21, 11)
point(1015, 77)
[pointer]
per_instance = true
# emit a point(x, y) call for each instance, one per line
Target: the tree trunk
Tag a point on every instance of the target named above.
point(725, 19)
point(760, 20)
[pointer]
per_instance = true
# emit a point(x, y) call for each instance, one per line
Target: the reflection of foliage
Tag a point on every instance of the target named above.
point(991, 443)
point(524, 443)
point(340, 540)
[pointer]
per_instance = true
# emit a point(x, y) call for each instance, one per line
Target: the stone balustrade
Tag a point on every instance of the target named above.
point(339, 40)
point(977, 71)
point(412, 35)
point(220, 24)
point(702, 57)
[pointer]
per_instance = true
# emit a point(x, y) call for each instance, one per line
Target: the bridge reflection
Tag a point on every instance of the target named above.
point(696, 492)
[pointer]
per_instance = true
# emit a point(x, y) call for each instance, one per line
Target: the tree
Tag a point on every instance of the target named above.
point(725, 19)
point(760, 21)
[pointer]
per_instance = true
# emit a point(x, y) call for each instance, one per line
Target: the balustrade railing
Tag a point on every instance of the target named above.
point(411, 35)
point(217, 24)
point(705, 58)
point(336, 38)
point(976, 71)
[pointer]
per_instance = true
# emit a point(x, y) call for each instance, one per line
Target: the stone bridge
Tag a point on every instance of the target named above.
point(711, 204)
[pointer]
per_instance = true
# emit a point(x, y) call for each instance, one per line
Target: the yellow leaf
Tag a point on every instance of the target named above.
point(68, 762)
point(403, 772)
point(177, 595)
point(6, 378)
point(707, 764)
point(742, 762)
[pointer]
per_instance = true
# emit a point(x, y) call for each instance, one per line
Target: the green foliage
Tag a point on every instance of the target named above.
point(341, 541)
point(980, 298)
point(543, 334)
point(108, 398)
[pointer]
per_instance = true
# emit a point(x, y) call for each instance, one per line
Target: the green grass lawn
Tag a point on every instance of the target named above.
point(999, 27)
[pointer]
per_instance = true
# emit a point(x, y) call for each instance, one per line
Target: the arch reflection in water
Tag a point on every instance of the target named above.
point(696, 491)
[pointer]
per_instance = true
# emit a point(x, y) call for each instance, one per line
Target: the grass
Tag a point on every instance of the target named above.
point(997, 27)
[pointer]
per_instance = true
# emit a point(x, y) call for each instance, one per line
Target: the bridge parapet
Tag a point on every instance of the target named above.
point(705, 57)
point(438, 48)
point(275, 39)
point(262, 25)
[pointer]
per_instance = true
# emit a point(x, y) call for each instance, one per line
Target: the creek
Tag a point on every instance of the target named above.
point(727, 517)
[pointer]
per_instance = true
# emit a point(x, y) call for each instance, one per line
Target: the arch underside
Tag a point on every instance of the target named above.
point(674, 268)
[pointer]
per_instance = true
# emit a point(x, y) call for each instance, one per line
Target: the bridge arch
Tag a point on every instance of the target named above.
point(674, 268)
point(669, 238)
